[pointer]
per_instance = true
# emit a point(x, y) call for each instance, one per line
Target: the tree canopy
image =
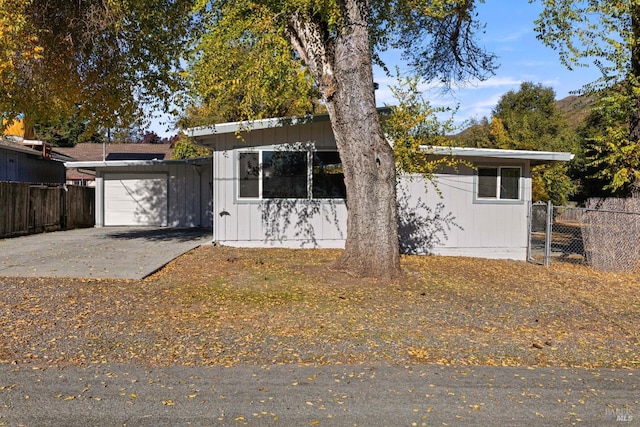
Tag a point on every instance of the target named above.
point(107, 60)
point(606, 34)
point(528, 119)
point(245, 67)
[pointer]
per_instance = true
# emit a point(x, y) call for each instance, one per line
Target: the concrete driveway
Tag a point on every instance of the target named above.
point(109, 252)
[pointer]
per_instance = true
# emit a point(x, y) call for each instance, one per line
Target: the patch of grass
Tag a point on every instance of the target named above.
point(225, 306)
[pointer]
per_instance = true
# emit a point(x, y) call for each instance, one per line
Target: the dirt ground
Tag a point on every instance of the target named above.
point(226, 306)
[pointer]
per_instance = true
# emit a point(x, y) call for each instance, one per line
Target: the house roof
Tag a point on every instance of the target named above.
point(30, 147)
point(206, 135)
point(205, 132)
point(92, 152)
point(536, 157)
point(8, 144)
point(93, 165)
point(233, 127)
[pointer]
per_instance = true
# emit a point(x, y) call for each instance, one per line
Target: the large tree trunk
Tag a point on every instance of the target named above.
point(372, 226)
point(343, 70)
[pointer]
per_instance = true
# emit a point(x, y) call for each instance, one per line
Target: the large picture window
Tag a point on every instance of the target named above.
point(290, 175)
point(499, 183)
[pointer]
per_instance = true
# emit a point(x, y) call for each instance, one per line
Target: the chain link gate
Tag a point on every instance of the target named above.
point(604, 235)
point(556, 234)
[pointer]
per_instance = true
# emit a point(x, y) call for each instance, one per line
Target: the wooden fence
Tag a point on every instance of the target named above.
point(26, 209)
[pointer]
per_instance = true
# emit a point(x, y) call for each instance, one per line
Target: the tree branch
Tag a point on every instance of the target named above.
point(315, 47)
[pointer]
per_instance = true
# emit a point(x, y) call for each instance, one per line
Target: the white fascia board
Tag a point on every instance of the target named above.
point(125, 163)
point(251, 125)
point(536, 156)
point(112, 163)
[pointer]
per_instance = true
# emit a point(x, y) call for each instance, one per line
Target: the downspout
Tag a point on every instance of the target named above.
point(214, 236)
point(197, 169)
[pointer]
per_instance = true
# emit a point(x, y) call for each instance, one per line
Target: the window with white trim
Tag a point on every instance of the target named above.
point(498, 183)
point(290, 174)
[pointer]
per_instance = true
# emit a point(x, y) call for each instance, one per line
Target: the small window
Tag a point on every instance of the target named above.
point(487, 183)
point(328, 176)
point(501, 183)
point(510, 183)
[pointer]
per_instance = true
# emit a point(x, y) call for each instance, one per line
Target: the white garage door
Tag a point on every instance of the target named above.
point(135, 199)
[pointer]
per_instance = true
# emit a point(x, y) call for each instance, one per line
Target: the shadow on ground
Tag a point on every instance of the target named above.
point(162, 234)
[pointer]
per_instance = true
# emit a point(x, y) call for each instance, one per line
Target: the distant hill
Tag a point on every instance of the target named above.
point(575, 108)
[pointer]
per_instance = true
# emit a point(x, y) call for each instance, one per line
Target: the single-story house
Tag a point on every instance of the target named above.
point(280, 185)
point(29, 161)
point(154, 192)
point(92, 152)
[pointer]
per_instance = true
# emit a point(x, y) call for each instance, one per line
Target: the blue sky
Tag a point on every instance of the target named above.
point(510, 35)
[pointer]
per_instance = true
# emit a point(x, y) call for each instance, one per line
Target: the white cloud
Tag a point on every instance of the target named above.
point(494, 82)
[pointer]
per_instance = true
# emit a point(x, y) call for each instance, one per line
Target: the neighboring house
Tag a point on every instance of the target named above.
point(280, 185)
point(91, 152)
point(155, 192)
point(29, 161)
point(18, 128)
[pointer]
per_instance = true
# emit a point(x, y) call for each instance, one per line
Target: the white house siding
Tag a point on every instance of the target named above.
point(479, 229)
point(467, 227)
point(186, 197)
point(488, 230)
point(273, 223)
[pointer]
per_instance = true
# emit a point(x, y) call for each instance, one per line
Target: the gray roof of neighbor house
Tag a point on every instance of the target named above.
point(31, 147)
point(92, 165)
point(92, 152)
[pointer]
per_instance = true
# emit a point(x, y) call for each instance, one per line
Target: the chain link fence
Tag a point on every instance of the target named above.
point(604, 235)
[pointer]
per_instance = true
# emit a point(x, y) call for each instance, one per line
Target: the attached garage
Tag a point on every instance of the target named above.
point(154, 193)
point(135, 199)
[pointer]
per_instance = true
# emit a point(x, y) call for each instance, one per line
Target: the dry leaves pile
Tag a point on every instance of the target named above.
point(225, 306)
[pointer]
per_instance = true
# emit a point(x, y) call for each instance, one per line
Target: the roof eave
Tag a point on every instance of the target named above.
point(206, 132)
point(128, 163)
point(536, 157)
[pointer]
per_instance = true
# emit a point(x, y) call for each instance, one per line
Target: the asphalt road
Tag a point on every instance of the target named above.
point(108, 252)
point(120, 395)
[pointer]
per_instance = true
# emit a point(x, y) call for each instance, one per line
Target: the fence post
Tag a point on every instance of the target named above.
point(548, 234)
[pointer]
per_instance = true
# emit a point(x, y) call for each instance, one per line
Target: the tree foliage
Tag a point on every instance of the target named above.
point(66, 132)
point(607, 33)
point(245, 68)
point(184, 148)
point(110, 59)
point(610, 165)
point(528, 119)
point(412, 124)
